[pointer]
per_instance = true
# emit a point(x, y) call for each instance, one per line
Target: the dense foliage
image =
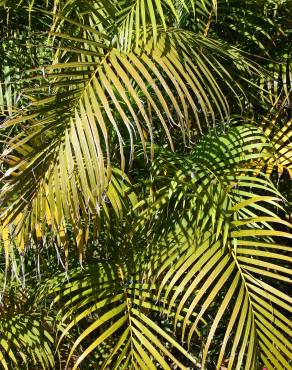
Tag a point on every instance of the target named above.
point(146, 166)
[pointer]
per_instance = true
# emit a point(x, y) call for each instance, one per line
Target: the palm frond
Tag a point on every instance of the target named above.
point(119, 332)
point(257, 26)
point(277, 128)
point(8, 96)
point(26, 334)
point(59, 164)
point(222, 241)
point(281, 140)
point(135, 18)
point(130, 23)
point(194, 271)
point(276, 85)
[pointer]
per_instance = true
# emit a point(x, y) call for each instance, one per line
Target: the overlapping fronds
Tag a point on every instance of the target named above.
point(213, 164)
point(196, 274)
point(68, 136)
point(24, 340)
point(276, 85)
point(26, 334)
point(60, 204)
point(120, 331)
point(8, 97)
point(59, 163)
point(276, 126)
point(257, 25)
point(238, 287)
point(135, 18)
point(236, 251)
point(216, 247)
point(130, 23)
point(280, 137)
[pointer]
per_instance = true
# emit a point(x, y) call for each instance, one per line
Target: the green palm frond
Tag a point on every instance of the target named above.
point(68, 136)
point(26, 334)
point(115, 303)
point(277, 84)
point(280, 138)
point(21, 48)
point(257, 26)
point(200, 19)
point(219, 251)
point(8, 97)
point(213, 163)
point(135, 18)
point(277, 129)
point(25, 341)
point(243, 281)
point(126, 133)
point(43, 215)
point(222, 241)
point(130, 23)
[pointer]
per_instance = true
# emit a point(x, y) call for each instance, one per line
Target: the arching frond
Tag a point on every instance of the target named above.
point(135, 18)
point(26, 335)
point(59, 164)
point(120, 333)
point(119, 138)
point(130, 23)
point(221, 240)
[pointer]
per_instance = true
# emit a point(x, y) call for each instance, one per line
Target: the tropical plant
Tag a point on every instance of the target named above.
point(143, 136)
point(26, 332)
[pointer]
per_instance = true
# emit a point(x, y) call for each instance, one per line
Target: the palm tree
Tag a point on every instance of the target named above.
point(142, 135)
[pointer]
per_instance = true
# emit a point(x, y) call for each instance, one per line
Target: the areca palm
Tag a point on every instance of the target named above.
point(221, 247)
point(69, 133)
point(192, 248)
point(26, 333)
